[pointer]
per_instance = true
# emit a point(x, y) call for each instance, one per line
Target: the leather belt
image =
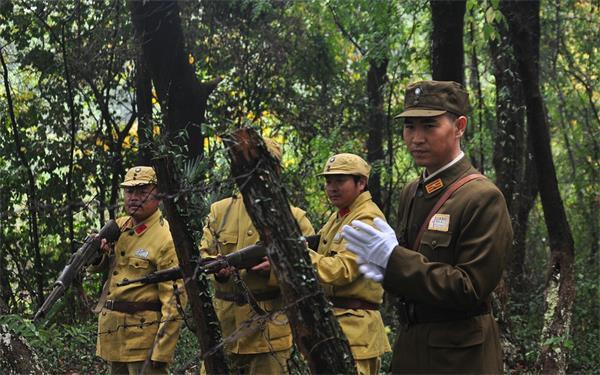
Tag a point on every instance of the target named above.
point(353, 303)
point(415, 313)
point(240, 299)
point(132, 307)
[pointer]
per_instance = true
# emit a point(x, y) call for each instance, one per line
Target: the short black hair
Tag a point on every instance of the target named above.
point(358, 177)
point(451, 116)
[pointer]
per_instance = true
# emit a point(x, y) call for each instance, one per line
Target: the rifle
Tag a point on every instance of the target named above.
point(244, 258)
point(87, 254)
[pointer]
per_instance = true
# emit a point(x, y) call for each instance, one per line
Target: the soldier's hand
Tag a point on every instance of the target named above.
point(105, 247)
point(374, 244)
point(264, 266)
point(224, 274)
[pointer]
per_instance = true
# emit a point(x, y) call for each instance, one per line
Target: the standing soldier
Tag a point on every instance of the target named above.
point(355, 299)
point(257, 348)
point(137, 321)
point(454, 233)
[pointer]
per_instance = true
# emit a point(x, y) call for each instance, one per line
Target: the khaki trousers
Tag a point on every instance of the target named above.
point(135, 368)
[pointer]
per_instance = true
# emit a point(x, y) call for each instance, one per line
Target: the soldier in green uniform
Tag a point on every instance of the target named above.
point(139, 320)
point(355, 299)
point(454, 235)
point(252, 348)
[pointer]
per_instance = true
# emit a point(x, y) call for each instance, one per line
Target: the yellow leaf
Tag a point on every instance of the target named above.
point(191, 59)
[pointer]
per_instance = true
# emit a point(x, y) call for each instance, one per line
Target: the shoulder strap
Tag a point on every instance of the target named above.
point(451, 189)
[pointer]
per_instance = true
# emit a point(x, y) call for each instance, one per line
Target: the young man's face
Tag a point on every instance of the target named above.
point(342, 189)
point(433, 141)
point(141, 201)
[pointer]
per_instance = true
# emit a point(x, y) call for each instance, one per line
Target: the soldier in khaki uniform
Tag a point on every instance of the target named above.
point(355, 298)
point(138, 319)
point(446, 271)
point(254, 349)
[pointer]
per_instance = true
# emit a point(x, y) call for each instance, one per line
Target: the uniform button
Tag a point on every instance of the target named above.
point(419, 193)
point(108, 294)
point(433, 243)
point(250, 232)
point(122, 253)
point(131, 232)
point(115, 273)
point(324, 241)
point(142, 320)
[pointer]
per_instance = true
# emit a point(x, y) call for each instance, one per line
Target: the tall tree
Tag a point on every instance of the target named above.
point(524, 25)
point(32, 200)
point(447, 50)
point(183, 102)
point(182, 97)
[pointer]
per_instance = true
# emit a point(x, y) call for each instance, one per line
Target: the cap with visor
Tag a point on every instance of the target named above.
point(346, 164)
point(138, 176)
point(434, 98)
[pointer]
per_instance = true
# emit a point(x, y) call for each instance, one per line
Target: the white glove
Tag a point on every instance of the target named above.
point(373, 244)
point(372, 271)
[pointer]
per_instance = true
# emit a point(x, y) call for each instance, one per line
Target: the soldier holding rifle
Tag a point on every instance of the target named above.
point(139, 321)
point(256, 349)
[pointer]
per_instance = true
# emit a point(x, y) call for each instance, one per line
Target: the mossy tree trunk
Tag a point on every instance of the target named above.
point(316, 331)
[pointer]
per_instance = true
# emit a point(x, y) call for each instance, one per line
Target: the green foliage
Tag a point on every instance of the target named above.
point(60, 348)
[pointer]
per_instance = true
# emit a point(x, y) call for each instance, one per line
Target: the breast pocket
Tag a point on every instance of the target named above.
point(227, 242)
point(435, 245)
point(138, 267)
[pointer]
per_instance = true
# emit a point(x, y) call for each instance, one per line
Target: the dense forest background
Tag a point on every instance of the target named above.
point(90, 88)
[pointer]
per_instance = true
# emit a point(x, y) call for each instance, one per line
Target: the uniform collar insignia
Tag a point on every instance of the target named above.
point(434, 186)
point(343, 212)
point(140, 229)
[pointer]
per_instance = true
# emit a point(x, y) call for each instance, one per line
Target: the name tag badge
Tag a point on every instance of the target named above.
point(439, 222)
point(142, 253)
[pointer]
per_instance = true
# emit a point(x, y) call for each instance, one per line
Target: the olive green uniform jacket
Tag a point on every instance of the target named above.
point(456, 268)
point(339, 275)
point(140, 250)
point(230, 229)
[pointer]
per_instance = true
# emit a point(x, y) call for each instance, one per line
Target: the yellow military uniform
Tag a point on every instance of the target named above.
point(127, 337)
point(338, 272)
point(229, 229)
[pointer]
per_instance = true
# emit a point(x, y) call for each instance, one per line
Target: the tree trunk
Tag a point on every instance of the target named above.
point(376, 78)
point(482, 115)
point(143, 94)
point(208, 330)
point(524, 26)
point(315, 329)
point(183, 102)
point(508, 159)
point(6, 292)
point(32, 205)
point(182, 98)
point(447, 50)
point(16, 356)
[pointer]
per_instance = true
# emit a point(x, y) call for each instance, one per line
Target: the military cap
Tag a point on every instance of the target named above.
point(273, 147)
point(138, 176)
point(433, 98)
point(346, 164)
